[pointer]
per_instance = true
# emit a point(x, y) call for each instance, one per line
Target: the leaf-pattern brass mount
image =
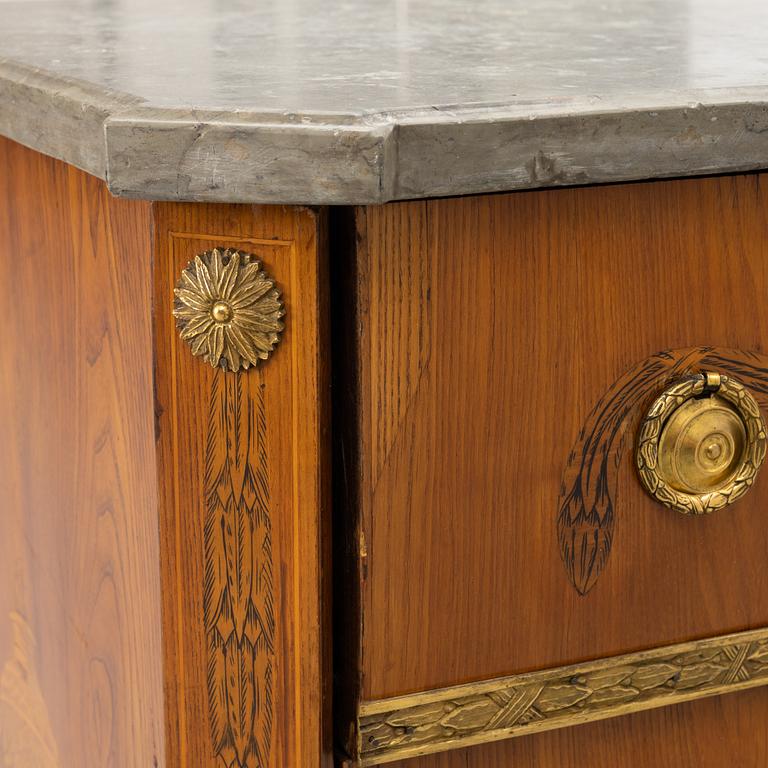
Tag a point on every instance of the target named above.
point(452, 718)
point(227, 309)
point(648, 451)
point(586, 509)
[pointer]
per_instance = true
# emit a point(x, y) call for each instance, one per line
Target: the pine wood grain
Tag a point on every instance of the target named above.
point(293, 727)
point(488, 328)
point(80, 651)
point(97, 455)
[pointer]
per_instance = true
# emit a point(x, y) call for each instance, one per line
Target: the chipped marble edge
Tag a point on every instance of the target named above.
point(326, 159)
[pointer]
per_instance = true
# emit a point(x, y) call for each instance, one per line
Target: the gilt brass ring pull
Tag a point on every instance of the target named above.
point(701, 444)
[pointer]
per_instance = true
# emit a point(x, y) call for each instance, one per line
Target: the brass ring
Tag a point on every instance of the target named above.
point(664, 486)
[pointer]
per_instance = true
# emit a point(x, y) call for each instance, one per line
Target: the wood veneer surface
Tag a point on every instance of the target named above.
point(80, 651)
point(489, 327)
point(284, 568)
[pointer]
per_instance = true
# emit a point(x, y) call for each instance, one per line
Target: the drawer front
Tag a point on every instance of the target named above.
point(508, 349)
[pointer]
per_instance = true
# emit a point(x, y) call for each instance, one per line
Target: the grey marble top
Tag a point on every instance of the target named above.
point(363, 101)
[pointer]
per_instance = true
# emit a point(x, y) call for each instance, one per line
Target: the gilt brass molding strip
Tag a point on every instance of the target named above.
point(504, 707)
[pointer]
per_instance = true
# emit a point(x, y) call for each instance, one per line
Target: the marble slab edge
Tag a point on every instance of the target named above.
point(60, 117)
point(202, 155)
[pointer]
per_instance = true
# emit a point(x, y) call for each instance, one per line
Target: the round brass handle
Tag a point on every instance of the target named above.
point(701, 444)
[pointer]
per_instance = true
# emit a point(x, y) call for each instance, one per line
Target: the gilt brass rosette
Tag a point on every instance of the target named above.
point(701, 444)
point(228, 310)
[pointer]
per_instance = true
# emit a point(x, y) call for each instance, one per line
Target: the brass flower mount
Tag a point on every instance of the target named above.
point(227, 309)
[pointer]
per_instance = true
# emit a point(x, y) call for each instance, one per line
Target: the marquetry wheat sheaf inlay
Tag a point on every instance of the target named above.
point(238, 589)
point(586, 512)
point(451, 718)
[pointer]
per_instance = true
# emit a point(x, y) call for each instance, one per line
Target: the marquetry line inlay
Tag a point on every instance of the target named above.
point(238, 587)
point(456, 717)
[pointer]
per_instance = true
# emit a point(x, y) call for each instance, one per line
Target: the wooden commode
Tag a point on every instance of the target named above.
point(383, 384)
